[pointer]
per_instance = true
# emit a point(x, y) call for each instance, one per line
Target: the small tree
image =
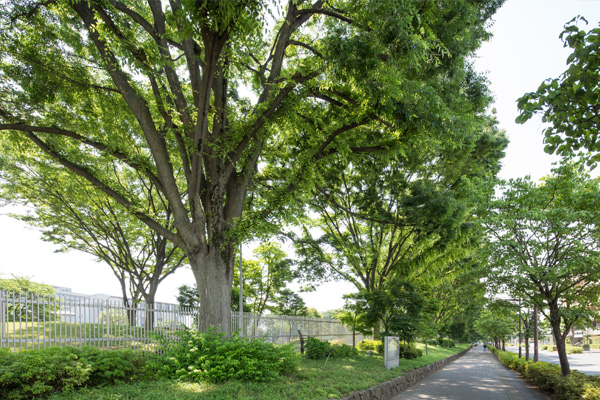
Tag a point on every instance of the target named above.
point(494, 327)
point(397, 305)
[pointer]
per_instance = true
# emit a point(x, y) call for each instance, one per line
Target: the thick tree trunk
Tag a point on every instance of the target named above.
point(560, 346)
point(214, 278)
point(150, 311)
point(377, 331)
point(526, 348)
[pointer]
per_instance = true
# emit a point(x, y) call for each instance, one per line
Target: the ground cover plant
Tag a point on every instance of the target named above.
point(211, 357)
point(547, 376)
point(313, 380)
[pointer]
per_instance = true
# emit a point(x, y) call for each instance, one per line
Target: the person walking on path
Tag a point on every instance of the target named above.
point(474, 376)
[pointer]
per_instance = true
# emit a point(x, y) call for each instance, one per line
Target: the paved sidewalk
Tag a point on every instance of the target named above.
point(477, 375)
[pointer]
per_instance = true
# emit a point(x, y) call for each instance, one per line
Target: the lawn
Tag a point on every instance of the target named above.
point(32, 335)
point(314, 380)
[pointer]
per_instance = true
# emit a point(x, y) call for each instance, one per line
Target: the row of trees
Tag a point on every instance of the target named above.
point(153, 134)
point(543, 244)
point(149, 133)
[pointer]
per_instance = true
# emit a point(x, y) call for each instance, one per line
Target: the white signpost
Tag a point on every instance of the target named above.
point(391, 354)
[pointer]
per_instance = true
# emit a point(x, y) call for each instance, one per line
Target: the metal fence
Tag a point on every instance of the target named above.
point(29, 321)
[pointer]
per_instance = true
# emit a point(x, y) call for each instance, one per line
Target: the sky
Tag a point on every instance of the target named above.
point(524, 51)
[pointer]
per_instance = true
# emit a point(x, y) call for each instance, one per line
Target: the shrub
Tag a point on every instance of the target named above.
point(373, 345)
point(590, 392)
point(446, 342)
point(574, 350)
point(410, 354)
point(211, 357)
point(35, 373)
point(316, 349)
point(549, 377)
point(343, 350)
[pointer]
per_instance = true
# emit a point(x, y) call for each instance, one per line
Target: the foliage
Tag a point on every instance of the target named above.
point(410, 353)
point(574, 349)
point(75, 215)
point(118, 317)
point(443, 342)
point(396, 304)
point(272, 272)
point(316, 349)
point(29, 311)
point(549, 377)
point(35, 373)
point(494, 327)
point(290, 303)
point(570, 102)
point(544, 246)
point(211, 357)
point(156, 90)
point(373, 345)
point(352, 316)
point(313, 381)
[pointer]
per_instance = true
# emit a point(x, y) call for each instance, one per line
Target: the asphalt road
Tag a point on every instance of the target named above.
point(477, 375)
point(588, 363)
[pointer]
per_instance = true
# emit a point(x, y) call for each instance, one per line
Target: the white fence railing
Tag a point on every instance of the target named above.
point(32, 321)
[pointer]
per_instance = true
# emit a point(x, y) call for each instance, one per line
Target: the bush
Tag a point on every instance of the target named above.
point(316, 349)
point(549, 377)
point(210, 357)
point(574, 350)
point(446, 342)
point(373, 345)
point(343, 350)
point(35, 373)
point(410, 354)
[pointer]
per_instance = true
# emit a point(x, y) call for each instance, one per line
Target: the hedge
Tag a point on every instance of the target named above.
point(548, 377)
point(36, 373)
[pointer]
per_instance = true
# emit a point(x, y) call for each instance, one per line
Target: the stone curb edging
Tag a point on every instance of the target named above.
point(387, 390)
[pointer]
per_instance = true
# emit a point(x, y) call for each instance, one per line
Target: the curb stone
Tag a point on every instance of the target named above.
point(387, 390)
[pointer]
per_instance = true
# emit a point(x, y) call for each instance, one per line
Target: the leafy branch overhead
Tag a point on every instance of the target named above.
point(571, 102)
point(229, 106)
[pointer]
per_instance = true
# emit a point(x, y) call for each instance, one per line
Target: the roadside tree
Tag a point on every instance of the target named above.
point(544, 246)
point(570, 103)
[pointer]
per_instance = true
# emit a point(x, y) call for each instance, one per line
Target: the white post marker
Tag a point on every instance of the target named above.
point(391, 353)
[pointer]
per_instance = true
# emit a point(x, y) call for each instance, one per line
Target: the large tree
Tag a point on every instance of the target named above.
point(159, 87)
point(544, 246)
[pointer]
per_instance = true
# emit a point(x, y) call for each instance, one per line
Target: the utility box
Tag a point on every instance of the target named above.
point(391, 354)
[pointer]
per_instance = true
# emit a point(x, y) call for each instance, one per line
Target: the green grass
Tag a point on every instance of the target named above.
point(313, 381)
point(30, 335)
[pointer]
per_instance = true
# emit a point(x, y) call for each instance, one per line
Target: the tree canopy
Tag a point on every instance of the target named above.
point(212, 100)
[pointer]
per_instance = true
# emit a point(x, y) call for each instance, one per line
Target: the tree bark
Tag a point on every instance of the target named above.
point(214, 278)
point(559, 339)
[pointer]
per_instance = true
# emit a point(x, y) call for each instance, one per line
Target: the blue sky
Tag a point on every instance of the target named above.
point(524, 51)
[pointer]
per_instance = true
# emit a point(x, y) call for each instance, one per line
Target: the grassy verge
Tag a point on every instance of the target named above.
point(313, 381)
